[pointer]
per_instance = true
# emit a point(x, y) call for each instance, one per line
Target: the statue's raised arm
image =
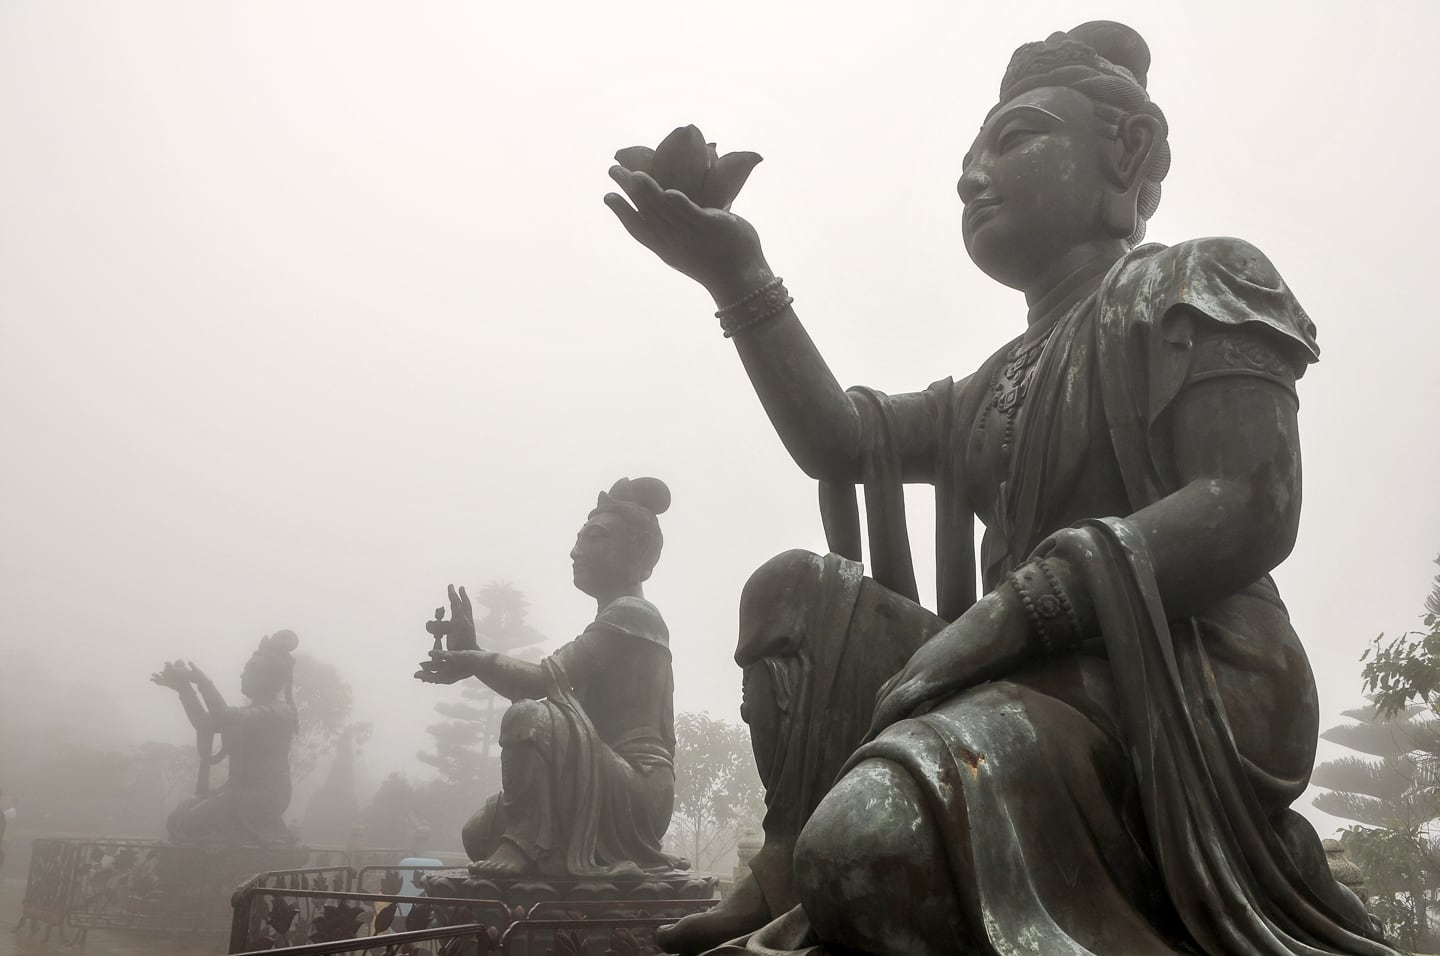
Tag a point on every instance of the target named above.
point(721, 251)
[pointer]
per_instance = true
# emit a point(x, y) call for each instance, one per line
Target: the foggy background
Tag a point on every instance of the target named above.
point(309, 309)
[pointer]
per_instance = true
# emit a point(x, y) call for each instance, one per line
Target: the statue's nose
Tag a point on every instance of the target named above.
point(973, 183)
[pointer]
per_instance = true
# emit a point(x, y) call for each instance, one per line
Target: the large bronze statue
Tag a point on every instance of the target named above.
point(249, 808)
point(588, 748)
point(1098, 753)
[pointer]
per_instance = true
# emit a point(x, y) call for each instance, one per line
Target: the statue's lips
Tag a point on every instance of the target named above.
point(978, 211)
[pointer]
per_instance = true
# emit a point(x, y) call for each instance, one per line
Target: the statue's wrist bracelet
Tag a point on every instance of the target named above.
point(1053, 617)
point(766, 302)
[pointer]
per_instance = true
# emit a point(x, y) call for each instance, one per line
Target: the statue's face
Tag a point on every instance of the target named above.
point(1033, 184)
point(603, 558)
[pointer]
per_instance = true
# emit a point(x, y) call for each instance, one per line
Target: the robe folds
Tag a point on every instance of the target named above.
point(1130, 796)
point(589, 772)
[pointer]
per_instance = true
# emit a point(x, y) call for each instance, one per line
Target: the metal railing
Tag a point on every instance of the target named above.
point(634, 936)
point(330, 910)
point(455, 940)
point(526, 937)
point(281, 918)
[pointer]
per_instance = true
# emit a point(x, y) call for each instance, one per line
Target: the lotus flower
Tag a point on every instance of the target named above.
point(684, 161)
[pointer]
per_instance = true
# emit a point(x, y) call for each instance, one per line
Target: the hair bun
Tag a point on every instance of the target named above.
point(1117, 43)
point(649, 493)
point(283, 642)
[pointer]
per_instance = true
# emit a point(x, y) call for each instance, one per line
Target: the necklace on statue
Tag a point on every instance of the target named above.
point(1013, 384)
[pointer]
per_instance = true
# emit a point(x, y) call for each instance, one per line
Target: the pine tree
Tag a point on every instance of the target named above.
point(1391, 794)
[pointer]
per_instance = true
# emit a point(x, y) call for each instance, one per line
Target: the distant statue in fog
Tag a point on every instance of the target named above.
point(588, 748)
point(249, 808)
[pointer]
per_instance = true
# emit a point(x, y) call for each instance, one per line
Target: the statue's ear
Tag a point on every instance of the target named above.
point(641, 544)
point(1131, 160)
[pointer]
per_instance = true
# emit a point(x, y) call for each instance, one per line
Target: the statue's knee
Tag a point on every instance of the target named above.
point(874, 818)
point(872, 837)
point(481, 832)
point(525, 722)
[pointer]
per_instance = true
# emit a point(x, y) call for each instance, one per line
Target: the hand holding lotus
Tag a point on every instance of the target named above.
point(176, 675)
point(682, 193)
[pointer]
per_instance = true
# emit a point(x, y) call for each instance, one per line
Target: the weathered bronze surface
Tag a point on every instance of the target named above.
point(588, 746)
point(1098, 752)
point(249, 808)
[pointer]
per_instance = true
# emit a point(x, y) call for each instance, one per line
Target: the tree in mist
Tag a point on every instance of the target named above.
point(166, 774)
point(66, 756)
point(1391, 795)
point(1407, 668)
point(323, 701)
point(334, 809)
point(1396, 800)
point(392, 816)
point(717, 789)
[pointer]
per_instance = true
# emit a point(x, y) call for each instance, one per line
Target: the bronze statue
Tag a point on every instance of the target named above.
point(588, 746)
point(1098, 753)
point(249, 808)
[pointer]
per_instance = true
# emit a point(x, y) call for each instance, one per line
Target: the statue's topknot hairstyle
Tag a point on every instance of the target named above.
point(639, 502)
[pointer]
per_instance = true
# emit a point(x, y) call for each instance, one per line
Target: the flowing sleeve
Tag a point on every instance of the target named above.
point(1198, 311)
point(616, 628)
point(900, 438)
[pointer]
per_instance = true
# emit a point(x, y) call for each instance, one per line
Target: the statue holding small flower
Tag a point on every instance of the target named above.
point(587, 760)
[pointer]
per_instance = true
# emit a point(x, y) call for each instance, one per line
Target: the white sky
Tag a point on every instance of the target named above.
point(308, 309)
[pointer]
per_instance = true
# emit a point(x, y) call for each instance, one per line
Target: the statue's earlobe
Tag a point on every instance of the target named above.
point(1134, 151)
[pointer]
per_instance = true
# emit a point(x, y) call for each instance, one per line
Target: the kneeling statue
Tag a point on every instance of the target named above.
point(587, 755)
point(249, 808)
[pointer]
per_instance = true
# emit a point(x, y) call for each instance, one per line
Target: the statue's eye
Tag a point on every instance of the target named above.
point(1014, 137)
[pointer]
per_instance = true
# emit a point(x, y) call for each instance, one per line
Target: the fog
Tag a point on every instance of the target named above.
point(308, 310)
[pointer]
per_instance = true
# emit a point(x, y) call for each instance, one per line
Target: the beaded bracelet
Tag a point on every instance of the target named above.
point(768, 301)
point(1054, 619)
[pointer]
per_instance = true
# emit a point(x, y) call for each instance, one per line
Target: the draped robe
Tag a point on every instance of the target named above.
point(1130, 796)
point(588, 773)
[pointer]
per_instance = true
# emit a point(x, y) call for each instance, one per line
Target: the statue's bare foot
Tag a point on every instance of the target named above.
point(507, 860)
point(742, 912)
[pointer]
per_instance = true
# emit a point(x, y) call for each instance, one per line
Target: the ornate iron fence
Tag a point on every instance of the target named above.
point(293, 912)
point(272, 918)
point(466, 939)
point(632, 936)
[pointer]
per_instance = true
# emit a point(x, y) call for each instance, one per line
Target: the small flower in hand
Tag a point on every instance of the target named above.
point(439, 627)
point(686, 163)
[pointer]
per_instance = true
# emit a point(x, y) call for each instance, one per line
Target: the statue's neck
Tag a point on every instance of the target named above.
point(1071, 272)
point(609, 597)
